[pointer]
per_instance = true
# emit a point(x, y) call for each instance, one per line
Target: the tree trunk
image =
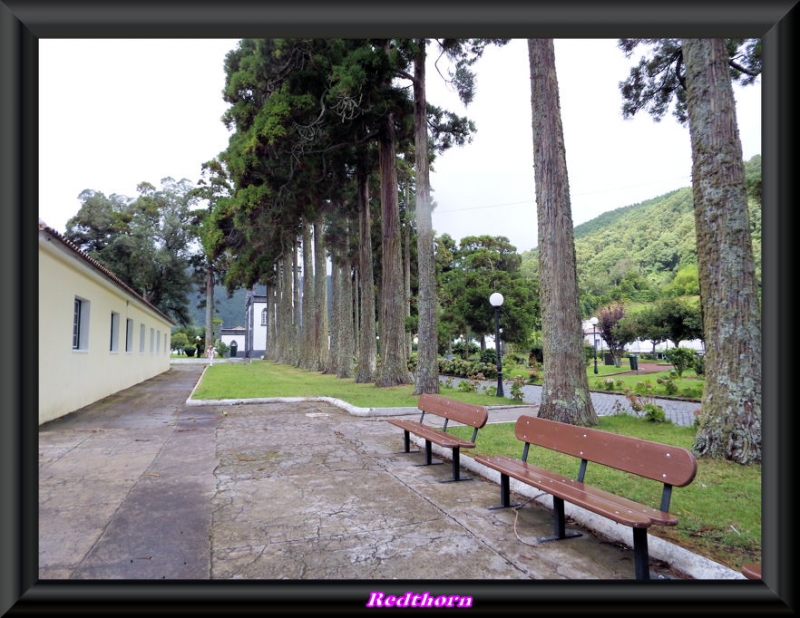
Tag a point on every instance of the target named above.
point(394, 364)
point(296, 309)
point(272, 318)
point(285, 339)
point(565, 388)
point(427, 330)
point(320, 300)
point(730, 421)
point(367, 361)
point(346, 330)
point(332, 365)
point(307, 303)
point(209, 305)
point(270, 348)
point(407, 275)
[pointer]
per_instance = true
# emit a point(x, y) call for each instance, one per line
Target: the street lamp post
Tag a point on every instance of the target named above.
point(594, 336)
point(496, 300)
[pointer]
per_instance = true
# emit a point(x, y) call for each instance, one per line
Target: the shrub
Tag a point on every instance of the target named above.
point(699, 364)
point(516, 388)
point(471, 385)
point(489, 356)
point(643, 404)
point(189, 350)
point(221, 348)
point(460, 349)
point(669, 383)
point(681, 359)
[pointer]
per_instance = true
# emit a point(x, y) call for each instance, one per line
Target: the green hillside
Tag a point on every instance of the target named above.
point(644, 246)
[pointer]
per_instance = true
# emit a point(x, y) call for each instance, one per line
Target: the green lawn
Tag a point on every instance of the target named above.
point(689, 385)
point(720, 511)
point(264, 379)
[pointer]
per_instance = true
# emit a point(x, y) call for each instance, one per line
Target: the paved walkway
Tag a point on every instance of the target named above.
point(141, 486)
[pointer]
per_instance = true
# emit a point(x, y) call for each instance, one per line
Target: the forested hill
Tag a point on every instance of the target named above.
point(231, 310)
point(653, 240)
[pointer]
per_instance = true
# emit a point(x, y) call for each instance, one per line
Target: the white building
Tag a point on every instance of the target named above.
point(255, 339)
point(96, 335)
point(236, 336)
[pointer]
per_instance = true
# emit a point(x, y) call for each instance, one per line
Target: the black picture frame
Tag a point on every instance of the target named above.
point(24, 22)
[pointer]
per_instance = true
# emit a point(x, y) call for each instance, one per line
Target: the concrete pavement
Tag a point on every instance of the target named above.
point(142, 486)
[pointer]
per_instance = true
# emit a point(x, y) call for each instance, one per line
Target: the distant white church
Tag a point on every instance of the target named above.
point(255, 335)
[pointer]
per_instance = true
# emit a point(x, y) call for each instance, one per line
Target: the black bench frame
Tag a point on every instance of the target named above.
point(672, 466)
point(457, 411)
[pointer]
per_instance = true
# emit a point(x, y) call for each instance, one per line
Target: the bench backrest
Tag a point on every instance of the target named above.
point(467, 413)
point(671, 465)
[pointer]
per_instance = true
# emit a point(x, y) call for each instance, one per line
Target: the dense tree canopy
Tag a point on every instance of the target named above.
point(146, 242)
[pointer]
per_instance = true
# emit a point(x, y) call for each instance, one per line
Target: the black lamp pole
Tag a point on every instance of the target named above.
point(594, 336)
point(499, 361)
point(496, 300)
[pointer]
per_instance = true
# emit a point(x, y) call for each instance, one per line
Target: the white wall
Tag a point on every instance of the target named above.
point(259, 330)
point(238, 338)
point(70, 379)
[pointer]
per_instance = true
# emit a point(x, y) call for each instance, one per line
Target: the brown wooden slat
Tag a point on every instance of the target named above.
point(467, 413)
point(660, 462)
point(437, 436)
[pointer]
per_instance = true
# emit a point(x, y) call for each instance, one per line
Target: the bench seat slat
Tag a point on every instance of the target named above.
point(616, 508)
point(437, 436)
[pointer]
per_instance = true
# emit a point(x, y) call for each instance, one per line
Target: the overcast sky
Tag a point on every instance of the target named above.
point(118, 112)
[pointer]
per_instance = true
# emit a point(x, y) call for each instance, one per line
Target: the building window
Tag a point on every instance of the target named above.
point(166, 344)
point(114, 347)
point(152, 340)
point(80, 324)
point(129, 335)
point(76, 325)
point(264, 317)
point(141, 338)
point(158, 341)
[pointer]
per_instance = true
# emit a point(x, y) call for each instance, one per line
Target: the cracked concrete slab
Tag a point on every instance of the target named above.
point(142, 486)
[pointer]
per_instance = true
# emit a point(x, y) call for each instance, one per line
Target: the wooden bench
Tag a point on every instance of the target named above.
point(672, 466)
point(456, 411)
point(751, 571)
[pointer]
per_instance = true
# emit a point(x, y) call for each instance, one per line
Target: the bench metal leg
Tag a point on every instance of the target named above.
point(641, 556)
point(456, 468)
point(429, 456)
point(559, 523)
point(505, 494)
point(407, 443)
